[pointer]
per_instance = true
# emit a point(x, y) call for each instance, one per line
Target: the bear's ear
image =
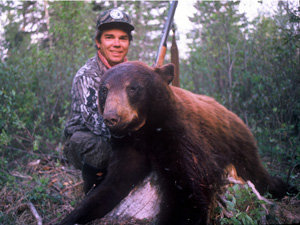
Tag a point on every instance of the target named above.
point(166, 72)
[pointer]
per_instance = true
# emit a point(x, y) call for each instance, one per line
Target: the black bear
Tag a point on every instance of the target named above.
point(189, 140)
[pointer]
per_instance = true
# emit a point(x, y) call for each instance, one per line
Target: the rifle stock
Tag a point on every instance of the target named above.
point(161, 56)
point(163, 43)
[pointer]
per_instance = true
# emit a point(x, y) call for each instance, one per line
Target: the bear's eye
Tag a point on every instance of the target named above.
point(132, 89)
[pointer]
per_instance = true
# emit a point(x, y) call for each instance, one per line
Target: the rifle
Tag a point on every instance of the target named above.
point(163, 43)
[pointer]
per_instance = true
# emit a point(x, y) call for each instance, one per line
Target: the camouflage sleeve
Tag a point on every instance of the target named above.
point(84, 105)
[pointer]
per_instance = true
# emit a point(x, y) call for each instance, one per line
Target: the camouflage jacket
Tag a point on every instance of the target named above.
point(84, 110)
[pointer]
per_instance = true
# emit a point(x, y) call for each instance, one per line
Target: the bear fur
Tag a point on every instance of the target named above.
point(188, 139)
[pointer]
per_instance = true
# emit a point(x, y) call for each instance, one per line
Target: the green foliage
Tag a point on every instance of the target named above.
point(7, 115)
point(37, 78)
point(40, 192)
point(243, 205)
point(6, 178)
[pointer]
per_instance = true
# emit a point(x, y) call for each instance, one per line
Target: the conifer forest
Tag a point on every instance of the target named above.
point(250, 65)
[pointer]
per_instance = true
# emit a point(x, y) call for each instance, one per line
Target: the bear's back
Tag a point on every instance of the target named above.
point(201, 108)
point(211, 122)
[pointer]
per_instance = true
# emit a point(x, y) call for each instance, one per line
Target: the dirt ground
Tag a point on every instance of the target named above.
point(47, 188)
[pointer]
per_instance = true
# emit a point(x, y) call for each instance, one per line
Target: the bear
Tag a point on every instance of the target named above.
point(190, 140)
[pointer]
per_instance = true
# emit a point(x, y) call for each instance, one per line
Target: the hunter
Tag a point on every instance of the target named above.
point(87, 138)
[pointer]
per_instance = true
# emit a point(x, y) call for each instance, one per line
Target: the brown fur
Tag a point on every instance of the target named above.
point(189, 139)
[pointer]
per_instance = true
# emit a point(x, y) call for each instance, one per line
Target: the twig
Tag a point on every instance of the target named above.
point(70, 187)
point(17, 174)
point(22, 207)
point(250, 184)
point(35, 213)
point(54, 221)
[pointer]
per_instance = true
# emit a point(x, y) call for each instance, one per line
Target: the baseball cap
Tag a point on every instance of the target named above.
point(114, 18)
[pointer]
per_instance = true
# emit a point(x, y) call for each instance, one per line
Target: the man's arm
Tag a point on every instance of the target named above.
point(84, 116)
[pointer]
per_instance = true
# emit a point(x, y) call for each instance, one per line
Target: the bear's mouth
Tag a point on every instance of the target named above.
point(124, 128)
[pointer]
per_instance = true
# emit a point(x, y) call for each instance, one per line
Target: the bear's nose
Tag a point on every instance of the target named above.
point(111, 119)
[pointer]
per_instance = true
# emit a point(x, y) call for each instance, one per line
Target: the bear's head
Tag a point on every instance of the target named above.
point(130, 91)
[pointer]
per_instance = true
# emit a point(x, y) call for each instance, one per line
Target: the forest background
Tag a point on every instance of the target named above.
point(250, 66)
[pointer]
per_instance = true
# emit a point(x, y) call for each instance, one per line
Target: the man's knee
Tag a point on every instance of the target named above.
point(85, 147)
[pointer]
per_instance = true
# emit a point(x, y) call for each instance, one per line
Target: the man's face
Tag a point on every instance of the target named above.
point(114, 45)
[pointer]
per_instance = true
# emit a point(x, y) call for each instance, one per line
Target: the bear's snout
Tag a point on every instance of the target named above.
point(111, 119)
point(117, 114)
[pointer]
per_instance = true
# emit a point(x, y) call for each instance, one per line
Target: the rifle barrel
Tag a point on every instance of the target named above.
point(163, 43)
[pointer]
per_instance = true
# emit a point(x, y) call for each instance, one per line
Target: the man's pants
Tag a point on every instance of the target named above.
point(89, 153)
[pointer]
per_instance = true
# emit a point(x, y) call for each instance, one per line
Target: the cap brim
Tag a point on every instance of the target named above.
point(120, 25)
